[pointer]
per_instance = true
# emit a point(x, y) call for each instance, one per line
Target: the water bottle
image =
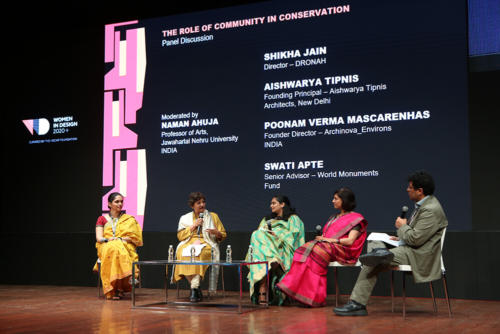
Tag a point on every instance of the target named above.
point(229, 254)
point(250, 253)
point(170, 253)
point(192, 254)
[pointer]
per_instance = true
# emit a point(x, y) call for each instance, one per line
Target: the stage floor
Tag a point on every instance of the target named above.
point(63, 309)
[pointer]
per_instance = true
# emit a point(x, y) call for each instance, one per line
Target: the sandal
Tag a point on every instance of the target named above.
point(117, 296)
point(262, 298)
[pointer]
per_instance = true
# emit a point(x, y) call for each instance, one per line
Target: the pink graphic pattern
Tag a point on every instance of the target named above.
point(29, 125)
point(124, 165)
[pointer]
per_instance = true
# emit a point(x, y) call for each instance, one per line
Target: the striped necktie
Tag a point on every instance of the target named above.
point(413, 214)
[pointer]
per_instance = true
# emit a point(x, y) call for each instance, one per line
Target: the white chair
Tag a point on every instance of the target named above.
point(336, 265)
point(406, 268)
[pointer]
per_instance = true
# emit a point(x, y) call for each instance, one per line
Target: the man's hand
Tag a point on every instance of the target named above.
point(400, 222)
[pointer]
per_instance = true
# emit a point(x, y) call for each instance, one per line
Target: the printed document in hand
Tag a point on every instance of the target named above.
point(385, 238)
point(197, 250)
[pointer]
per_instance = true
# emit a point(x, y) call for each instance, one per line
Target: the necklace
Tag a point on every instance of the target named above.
point(114, 223)
point(336, 217)
point(342, 213)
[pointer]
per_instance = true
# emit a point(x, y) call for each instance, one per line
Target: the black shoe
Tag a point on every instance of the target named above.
point(193, 298)
point(376, 257)
point(352, 308)
point(199, 294)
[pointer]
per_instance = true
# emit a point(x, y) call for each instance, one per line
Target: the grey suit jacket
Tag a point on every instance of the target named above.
point(423, 240)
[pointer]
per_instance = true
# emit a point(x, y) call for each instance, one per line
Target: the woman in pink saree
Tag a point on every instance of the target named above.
point(342, 240)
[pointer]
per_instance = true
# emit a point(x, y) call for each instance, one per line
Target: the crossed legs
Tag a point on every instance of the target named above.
point(367, 278)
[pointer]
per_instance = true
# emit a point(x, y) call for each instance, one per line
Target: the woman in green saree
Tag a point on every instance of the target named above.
point(275, 241)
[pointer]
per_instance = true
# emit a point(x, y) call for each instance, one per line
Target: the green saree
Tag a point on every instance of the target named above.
point(279, 248)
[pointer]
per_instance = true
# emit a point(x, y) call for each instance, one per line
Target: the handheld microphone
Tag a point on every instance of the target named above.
point(319, 230)
point(404, 210)
point(201, 216)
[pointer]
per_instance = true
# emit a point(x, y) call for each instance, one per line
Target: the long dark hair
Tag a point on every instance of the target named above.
point(287, 209)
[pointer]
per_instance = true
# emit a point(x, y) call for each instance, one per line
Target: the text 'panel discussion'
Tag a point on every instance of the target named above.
point(254, 166)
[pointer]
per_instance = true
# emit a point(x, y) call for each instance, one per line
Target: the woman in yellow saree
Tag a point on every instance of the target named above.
point(201, 231)
point(117, 236)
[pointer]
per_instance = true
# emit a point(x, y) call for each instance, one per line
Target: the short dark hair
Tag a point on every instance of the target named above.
point(112, 197)
point(424, 180)
point(347, 197)
point(195, 197)
point(287, 209)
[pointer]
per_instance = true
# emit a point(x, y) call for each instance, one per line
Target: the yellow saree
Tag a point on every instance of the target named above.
point(188, 238)
point(117, 256)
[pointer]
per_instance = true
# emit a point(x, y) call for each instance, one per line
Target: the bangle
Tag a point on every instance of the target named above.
point(338, 241)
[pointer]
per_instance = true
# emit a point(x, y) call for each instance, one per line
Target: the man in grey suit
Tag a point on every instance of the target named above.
point(421, 235)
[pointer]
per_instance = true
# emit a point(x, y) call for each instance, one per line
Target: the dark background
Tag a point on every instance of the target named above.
point(54, 66)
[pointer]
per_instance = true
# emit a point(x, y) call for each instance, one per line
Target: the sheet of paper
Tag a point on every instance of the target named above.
point(385, 238)
point(197, 250)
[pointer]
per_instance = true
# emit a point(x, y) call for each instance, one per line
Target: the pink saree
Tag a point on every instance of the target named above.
point(306, 280)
